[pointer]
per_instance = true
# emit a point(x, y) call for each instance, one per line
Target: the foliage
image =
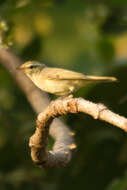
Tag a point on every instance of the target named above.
point(85, 36)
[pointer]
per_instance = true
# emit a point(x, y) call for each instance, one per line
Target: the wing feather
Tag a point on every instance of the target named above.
point(62, 74)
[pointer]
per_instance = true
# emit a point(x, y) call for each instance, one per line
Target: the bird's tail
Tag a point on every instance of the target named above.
point(100, 79)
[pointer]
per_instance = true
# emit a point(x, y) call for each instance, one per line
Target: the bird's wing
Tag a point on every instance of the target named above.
point(62, 74)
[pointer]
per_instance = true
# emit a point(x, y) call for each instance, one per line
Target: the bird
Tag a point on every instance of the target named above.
point(59, 81)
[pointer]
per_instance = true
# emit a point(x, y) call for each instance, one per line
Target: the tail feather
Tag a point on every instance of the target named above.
point(101, 78)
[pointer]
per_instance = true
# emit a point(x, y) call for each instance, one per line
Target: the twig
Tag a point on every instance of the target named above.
point(63, 148)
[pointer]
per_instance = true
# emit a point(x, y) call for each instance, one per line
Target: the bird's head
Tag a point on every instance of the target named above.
point(31, 67)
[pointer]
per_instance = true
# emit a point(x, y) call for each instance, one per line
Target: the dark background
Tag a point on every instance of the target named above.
point(85, 36)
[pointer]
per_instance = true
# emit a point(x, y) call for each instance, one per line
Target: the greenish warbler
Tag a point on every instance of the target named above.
point(59, 81)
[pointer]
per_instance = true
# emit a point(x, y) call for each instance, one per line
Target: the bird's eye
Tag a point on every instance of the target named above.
point(32, 66)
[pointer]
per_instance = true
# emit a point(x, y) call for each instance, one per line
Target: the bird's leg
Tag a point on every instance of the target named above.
point(67, 95)
point(70, 93)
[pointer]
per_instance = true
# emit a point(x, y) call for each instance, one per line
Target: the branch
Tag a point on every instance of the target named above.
point(63, 147)
point(38, 99)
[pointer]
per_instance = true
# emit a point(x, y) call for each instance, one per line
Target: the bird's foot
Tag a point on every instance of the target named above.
point(66, 96)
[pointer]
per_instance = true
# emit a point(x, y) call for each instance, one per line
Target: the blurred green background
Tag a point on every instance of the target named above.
point(86, 36)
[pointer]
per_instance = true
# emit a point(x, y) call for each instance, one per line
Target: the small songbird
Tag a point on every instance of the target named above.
point(59, 81)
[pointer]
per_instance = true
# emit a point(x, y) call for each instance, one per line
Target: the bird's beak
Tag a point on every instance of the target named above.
point(21, 68)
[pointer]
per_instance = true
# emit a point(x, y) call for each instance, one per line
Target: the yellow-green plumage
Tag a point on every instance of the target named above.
point(59, 81)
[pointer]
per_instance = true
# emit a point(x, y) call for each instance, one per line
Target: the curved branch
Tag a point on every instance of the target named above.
point(63, 148)
point(38, 99)
point(64, 142)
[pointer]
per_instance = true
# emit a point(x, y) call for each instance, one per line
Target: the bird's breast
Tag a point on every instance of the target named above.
point(53, 86)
